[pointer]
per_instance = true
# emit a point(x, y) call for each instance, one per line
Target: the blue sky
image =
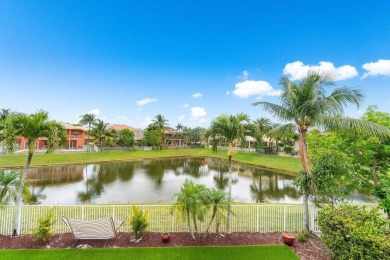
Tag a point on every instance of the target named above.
point(128, 61)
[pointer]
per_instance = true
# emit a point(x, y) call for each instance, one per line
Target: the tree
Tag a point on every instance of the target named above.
point(31, 127)
point(190, 202)
point(126, 138)
point(263, 125)
point(306, 104)
point(152, 138)
point(179, 127)
point(217, 199)
point(159, 124)
point(9, 182)
point(88, 119)
point(100, 132)
point(229, 128)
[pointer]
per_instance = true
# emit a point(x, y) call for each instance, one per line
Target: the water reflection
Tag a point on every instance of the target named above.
point(156, 180)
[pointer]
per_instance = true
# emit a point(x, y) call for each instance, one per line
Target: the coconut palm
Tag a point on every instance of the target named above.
point(306, 104)
point(263, 125)
point(217, 199)
point(229, 128)
point(30, 127)
point(190, 202)
point(179, 127)
point(100, 132)
point(88, 119)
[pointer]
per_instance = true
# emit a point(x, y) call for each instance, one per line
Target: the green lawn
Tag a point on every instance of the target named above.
point(281, 163)
point(272, 252)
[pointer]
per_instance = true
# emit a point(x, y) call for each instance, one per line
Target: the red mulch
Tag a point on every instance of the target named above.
point(313, 249)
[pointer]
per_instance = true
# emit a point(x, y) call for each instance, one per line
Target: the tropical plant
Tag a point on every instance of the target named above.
point(354, 233)
point(179, 127)
point(158, 124)
point(44, 230)
point(88, 119)
point(306, 104)
point(217, 199)
point(100, 132)
point(139, 222)
point(31, 127)
point(303, 235)
point(9, 182)
point(229, 128)
point(191, 201)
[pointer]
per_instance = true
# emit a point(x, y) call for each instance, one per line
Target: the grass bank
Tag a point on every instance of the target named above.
point(280, 163)
point(273, 252)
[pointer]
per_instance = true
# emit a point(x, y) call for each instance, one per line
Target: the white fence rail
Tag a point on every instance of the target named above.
point(164, 218)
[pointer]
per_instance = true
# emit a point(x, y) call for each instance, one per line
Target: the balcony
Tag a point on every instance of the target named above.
point(75, 136)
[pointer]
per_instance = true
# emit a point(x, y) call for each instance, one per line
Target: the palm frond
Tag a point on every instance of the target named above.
point(275, 110)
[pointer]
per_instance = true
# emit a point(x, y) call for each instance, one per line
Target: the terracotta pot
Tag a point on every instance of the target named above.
point(288, 238)
point(165, 237)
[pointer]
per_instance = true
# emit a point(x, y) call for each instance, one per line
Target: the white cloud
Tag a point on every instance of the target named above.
point(197, 95)
point(182, 117)
point(244, 75)
point(298, 70)
point(147, 121)
point(95, 111)
point(185, 105)
point(381, 67)
point(254, 88)
point(198, 113)
point(145, 101)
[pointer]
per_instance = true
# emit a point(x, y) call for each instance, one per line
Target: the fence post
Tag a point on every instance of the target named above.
point(20, 220)
point(312, 217)
point(257, 218)
point(284, 218)
point(82, 212)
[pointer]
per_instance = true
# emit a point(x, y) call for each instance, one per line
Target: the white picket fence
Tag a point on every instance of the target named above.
point(164, 218)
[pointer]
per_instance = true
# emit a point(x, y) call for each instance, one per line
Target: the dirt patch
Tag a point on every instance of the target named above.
point(313, 249)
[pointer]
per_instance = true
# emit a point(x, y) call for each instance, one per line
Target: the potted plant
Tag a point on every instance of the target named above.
point(288, 238)
point(165, 237)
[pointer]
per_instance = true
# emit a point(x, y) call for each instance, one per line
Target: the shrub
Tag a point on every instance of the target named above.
point(44, 231)
point(354, 233)
point(303, 235)
point(139, 222)
point(288, 149)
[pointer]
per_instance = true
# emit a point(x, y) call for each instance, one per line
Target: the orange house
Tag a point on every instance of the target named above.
point(75, 139)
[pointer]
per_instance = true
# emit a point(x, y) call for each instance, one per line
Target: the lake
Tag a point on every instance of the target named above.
point(155, 181)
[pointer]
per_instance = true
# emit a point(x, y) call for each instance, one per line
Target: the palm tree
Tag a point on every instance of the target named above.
point(190, 202)
point(159, 124)
point(306, 104)
point(229, 128)
point(88, 119)
point(31, 127)
point(218, 200)
point(9, 182)
point(100, 132)
point(179, 127)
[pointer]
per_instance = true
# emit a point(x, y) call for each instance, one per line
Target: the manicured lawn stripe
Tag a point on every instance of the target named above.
point(289, 164)
point(271, 252)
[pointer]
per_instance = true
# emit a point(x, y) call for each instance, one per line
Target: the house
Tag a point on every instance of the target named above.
point(173, 139)
point(139, 133)
point(75, 139)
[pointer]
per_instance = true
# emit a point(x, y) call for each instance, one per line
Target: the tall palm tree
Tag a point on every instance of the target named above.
point(31, 127)
point(159, 124)
point(179, 127)
point(306, 104)
point(88, 119)
point(229, 128)
point(100, 131)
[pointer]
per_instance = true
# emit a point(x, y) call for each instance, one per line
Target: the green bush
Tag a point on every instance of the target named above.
point(288, 149)
point(354, 233)
point(303, 235)
point(139, 222)
point(44, 231)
